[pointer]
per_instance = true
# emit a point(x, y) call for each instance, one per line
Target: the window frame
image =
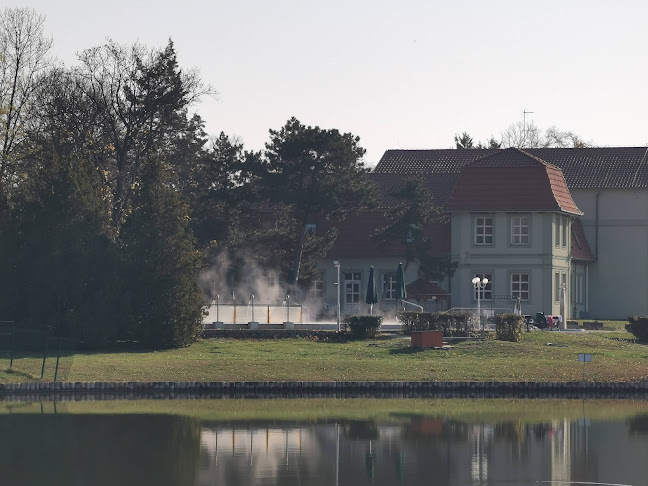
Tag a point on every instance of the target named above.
point(352, 287)
point(486, 223)
point(389, 286)
point(517, 229)
point(520, 283)
point(488, 289)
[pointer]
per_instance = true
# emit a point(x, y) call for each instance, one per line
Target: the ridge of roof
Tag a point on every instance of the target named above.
point(511, 180)
point(583, 168)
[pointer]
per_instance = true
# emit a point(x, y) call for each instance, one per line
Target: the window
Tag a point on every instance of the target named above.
point(520, 285)
point(311, 228)
point(565, 224)
point(486, 292)
point(557, 231)
point(580, 289)
point(352, 288)
point(520, 230)
point(483, 230)
point(389, 286)
point(557, 287)
point(411, 233)
point(316, 290)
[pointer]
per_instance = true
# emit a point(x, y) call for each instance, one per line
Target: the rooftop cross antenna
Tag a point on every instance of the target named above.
point(524, 114)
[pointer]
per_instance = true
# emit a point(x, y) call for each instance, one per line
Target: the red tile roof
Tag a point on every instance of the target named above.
point(511, 180)
point(594, 168)
point(355, 237)
point(580, 249)
point(423, 289)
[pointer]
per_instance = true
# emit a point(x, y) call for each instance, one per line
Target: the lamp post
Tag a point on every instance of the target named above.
point(479, 284)
point(336, 264)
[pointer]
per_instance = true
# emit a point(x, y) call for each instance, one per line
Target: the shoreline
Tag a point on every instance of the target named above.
point(80, 391)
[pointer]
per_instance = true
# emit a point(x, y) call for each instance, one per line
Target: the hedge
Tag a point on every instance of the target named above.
point(451, 323)
point(638, 326)
point(509, 327)
point(362, 327)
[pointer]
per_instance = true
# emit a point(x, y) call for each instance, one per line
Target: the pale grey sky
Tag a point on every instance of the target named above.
point(399, 74)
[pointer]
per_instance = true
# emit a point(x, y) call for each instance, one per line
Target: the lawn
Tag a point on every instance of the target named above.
point(540, 356)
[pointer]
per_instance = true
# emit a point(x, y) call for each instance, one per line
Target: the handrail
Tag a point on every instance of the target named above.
point(412, 304)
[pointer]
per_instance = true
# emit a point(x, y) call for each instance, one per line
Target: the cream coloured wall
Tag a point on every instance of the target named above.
point(540, 259)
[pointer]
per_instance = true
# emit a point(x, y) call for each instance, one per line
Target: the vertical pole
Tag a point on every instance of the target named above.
point(58, 356)
point(13, 344)
point(44, 357)
point(288, 308)
point(338, 296)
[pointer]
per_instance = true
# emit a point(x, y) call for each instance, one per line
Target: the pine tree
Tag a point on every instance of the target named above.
point(165, 304)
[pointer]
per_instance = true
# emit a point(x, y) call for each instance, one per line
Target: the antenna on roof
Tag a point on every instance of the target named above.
point(524, 114)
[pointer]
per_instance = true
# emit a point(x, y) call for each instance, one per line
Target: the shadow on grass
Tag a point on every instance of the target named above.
point(13, 372)
point(411, 350)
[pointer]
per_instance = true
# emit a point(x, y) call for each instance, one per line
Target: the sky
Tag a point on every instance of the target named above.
point(405, 74)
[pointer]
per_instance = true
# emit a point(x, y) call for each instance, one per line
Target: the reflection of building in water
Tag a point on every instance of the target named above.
point(422, 451)
point(560, 451)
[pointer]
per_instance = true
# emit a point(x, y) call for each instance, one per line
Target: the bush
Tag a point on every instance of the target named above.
point(451, 323)
point(509, 327)
point(362, 327)
point(638, 326)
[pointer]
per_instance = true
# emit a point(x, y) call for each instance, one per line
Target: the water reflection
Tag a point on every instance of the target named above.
point(57, 448)
point(426, 451)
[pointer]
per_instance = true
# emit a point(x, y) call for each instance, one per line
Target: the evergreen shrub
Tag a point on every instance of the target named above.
point(509, 327)
point(638, 327)
point(451, 323)
point(363, 326)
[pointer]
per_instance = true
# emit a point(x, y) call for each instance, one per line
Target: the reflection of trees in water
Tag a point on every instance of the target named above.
point(638, 425)
point(98, 449)
point(361, 429)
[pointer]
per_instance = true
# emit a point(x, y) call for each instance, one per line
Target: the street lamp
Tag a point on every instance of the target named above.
point(480, 284)
point(336, 264)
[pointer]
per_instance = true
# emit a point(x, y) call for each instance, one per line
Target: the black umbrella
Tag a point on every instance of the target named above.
point(372, 293)
point(401, 293)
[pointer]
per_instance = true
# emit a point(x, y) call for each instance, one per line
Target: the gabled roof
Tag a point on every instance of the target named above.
point(355, 238)
point(423, 289)
point(583, 168)
point(580, 249)
point(511, 180)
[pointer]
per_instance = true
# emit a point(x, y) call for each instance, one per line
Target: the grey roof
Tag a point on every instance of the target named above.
point(583, 168)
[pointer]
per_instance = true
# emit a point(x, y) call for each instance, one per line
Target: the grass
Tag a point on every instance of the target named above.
point(540, 356)
point(380, 410)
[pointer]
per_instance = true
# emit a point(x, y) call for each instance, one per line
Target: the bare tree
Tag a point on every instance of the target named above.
point(528, 135)
point(522, 135)
point(24, 57)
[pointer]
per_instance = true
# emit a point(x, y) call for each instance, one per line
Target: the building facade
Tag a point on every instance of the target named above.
point(511, 217)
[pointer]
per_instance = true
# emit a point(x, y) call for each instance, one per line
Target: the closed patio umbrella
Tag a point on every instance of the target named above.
point(518, 306)
point(401, 293)
point(563, 298)
point(372, 293)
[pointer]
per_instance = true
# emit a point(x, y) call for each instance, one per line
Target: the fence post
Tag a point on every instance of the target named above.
point(44, 356)
point(13, 344)
point(58, 355)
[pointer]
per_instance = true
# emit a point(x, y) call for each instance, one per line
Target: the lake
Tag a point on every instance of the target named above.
point(230, 442)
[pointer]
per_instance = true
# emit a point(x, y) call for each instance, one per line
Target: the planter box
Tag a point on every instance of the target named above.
point(427, 339)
